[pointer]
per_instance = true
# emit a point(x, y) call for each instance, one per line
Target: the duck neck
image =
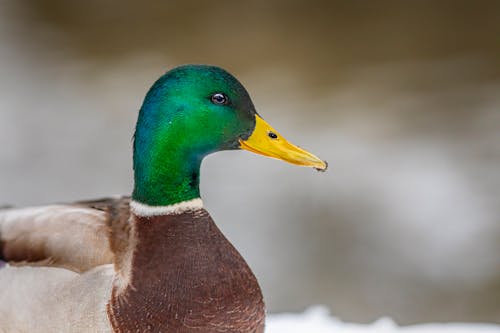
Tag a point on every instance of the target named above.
point(166, 181)
point(166, 167)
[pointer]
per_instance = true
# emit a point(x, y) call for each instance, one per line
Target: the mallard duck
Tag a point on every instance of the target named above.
point(155, 261)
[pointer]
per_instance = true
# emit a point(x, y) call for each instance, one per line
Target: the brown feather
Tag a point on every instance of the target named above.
point(184, 277)
point(172, 273)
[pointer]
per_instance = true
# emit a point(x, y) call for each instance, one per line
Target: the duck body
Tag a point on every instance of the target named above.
point(173, 273)
point(156, 261)
point(184, 262)
point(50, 299)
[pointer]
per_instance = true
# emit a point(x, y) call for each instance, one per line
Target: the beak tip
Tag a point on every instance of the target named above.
point(323, 168)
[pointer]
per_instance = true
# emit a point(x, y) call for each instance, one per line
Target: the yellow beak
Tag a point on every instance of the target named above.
point(266, 141)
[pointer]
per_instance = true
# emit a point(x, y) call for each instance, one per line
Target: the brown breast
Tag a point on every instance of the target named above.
point(185, 276)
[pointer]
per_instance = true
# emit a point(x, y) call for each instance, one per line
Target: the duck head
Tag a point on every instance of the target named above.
point(190, 112)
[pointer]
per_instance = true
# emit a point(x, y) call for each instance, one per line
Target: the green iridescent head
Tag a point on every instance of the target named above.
point(190, 112)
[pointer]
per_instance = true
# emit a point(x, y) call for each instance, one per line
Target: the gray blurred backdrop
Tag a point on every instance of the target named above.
point(401, 97)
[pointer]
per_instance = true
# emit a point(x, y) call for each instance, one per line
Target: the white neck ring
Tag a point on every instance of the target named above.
point(140, 209)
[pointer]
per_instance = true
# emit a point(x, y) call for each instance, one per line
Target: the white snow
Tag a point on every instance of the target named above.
point(317, 319)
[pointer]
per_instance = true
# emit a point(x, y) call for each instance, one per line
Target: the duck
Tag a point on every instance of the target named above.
point(152, 261)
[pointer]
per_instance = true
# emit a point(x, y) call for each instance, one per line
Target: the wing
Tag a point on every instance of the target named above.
point(77, 236)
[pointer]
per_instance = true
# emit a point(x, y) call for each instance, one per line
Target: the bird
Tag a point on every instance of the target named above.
point(154, 260)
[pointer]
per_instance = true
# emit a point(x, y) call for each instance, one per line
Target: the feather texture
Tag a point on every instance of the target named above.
point(77, 236)
point(94, 266)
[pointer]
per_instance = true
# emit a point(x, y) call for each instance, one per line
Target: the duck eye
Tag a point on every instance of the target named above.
point(219, 98)
point(272, 135)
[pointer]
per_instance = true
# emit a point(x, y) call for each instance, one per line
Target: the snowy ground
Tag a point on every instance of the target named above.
point(318, 320)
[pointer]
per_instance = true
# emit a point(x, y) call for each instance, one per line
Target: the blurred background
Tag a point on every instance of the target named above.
point(401, 97)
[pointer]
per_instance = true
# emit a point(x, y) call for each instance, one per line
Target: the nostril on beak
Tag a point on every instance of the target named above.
point(272, 135)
